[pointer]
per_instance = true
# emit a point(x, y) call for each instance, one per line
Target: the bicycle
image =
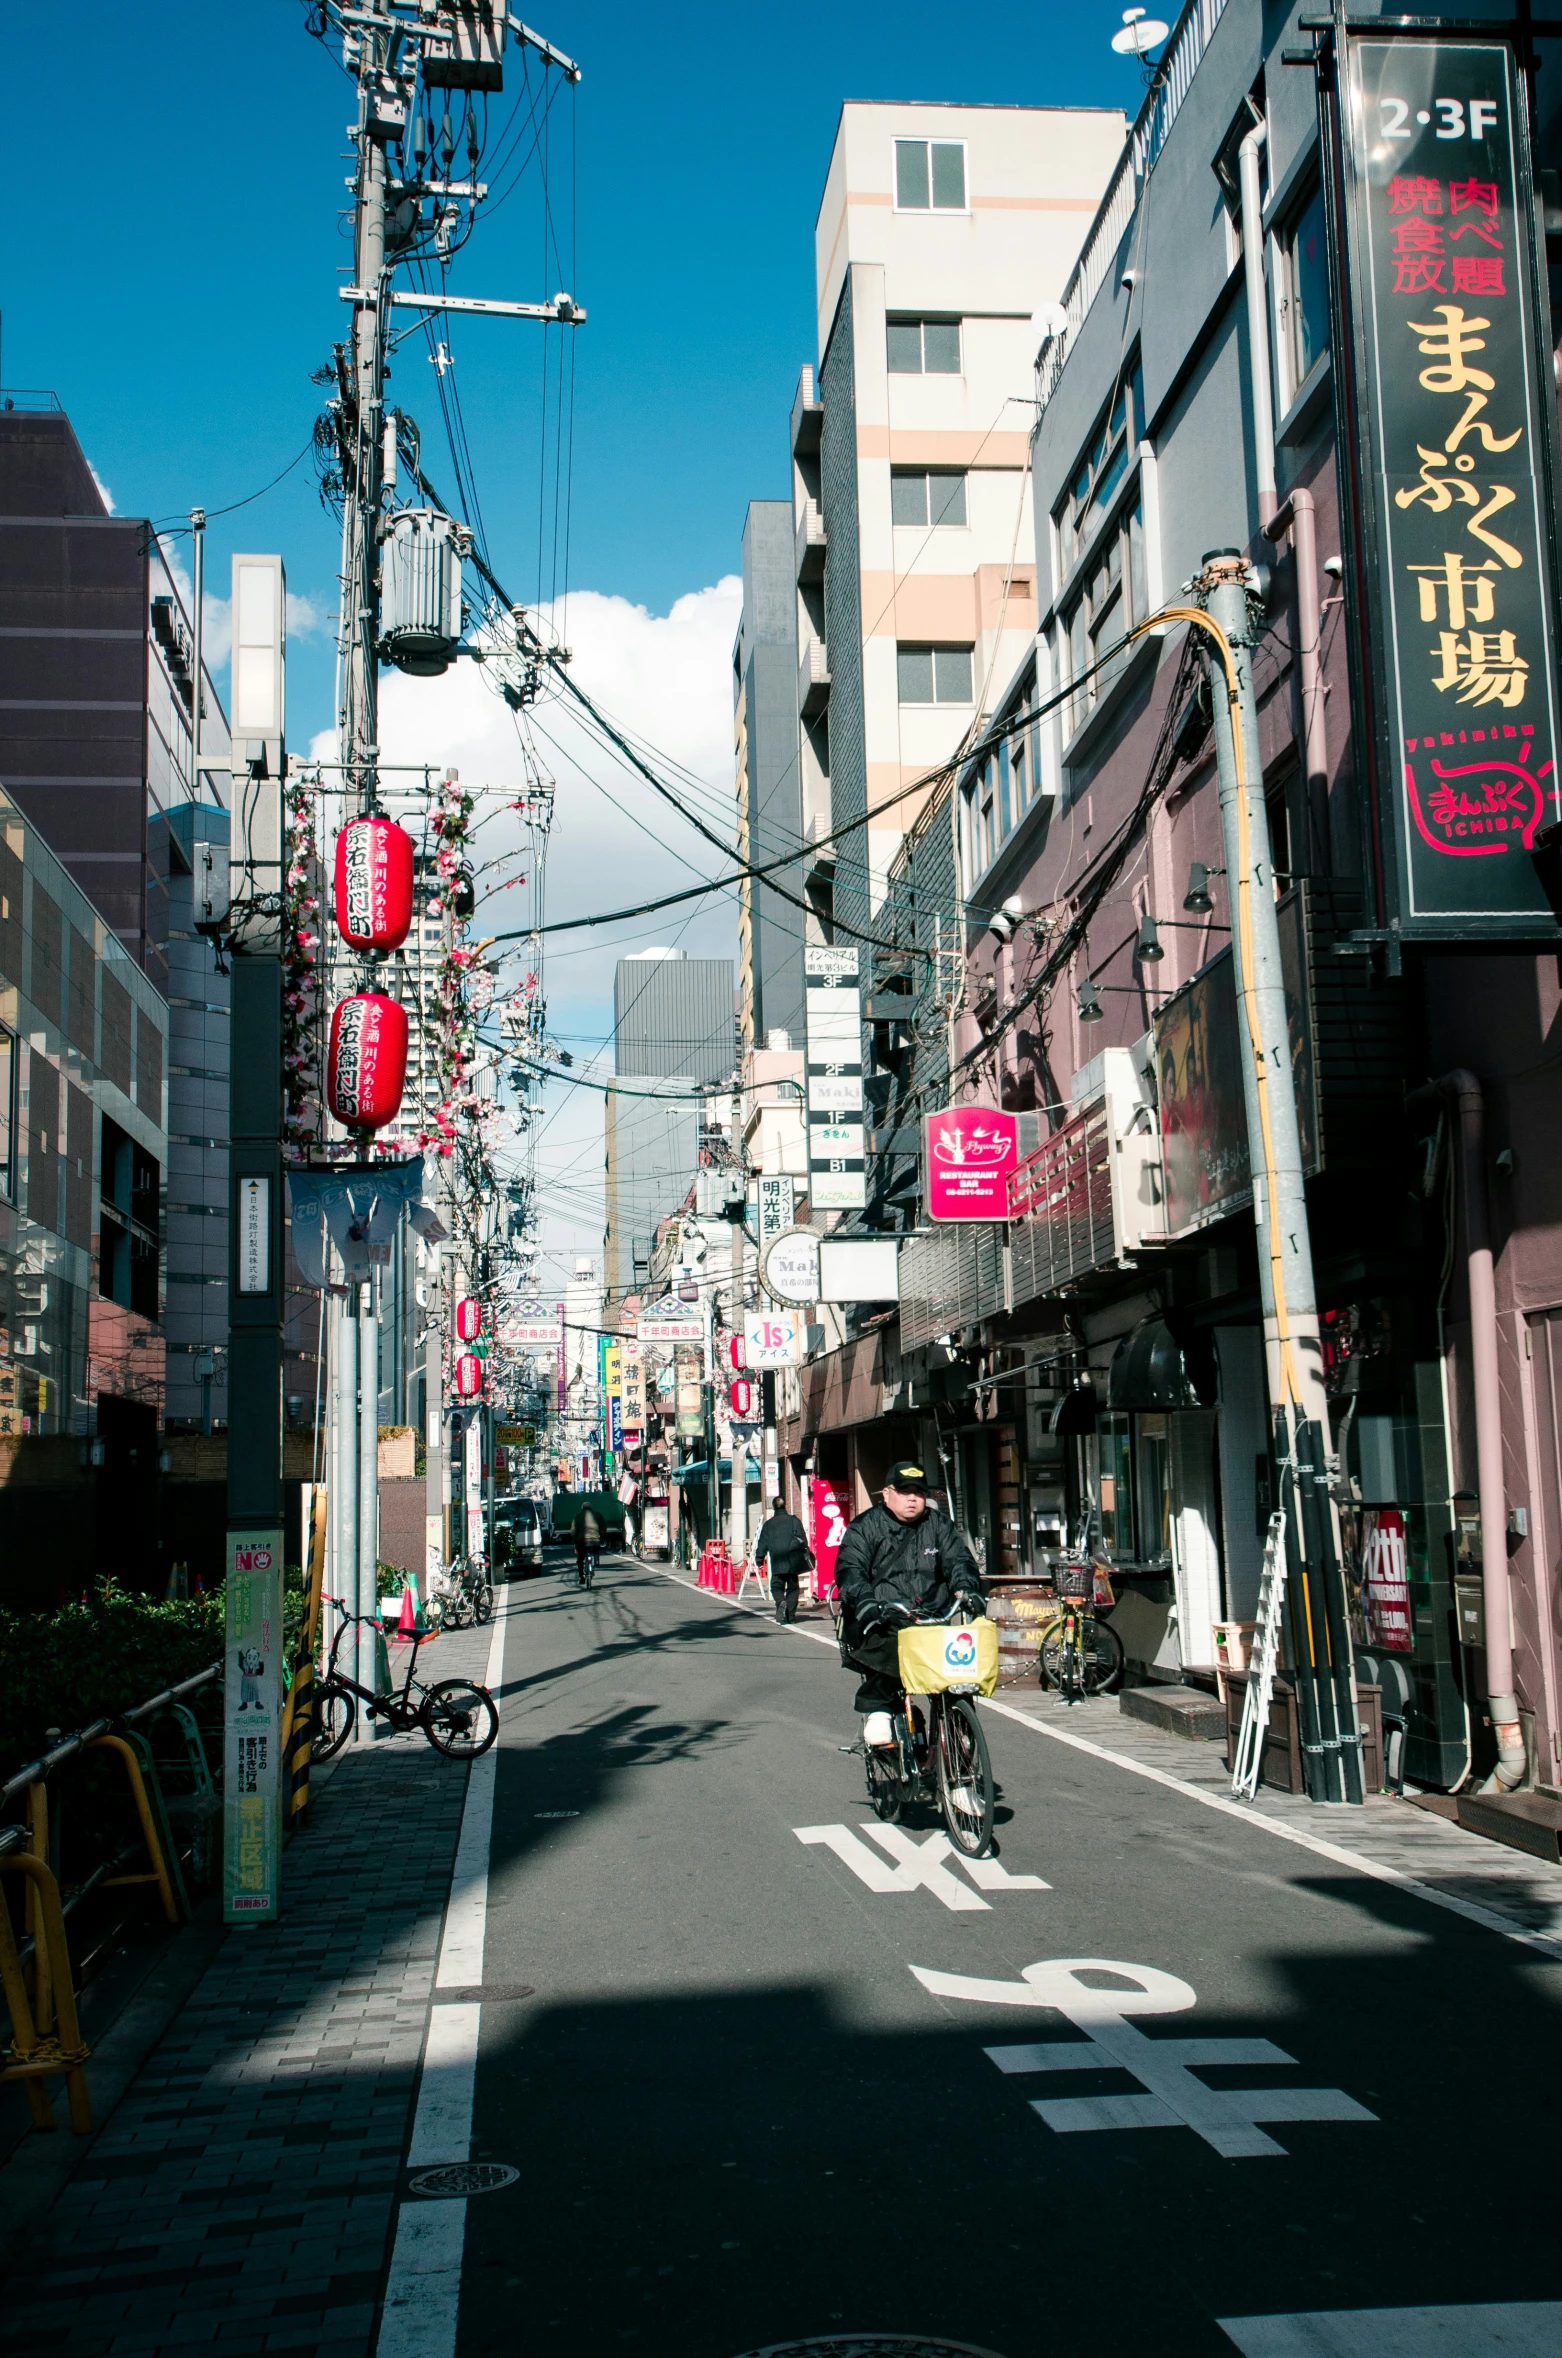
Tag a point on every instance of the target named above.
point(469, 1597)
point(457, 1716)
point(586, 1564)
point(947, 1760)
point(1080, 1655)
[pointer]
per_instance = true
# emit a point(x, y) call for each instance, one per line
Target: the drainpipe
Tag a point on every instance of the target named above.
point(1463, 1092)
point(1257, 320)
point(1298, 517)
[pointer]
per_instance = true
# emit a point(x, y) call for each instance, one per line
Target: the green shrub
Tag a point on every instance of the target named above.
point(103, 1654)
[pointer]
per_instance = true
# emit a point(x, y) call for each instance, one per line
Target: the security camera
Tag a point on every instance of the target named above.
point(1334, 567)
point(1003, 922)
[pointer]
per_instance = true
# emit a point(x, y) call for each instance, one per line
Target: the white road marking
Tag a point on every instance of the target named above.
point(919, 1866)
point(1500, 2329)
point(1378, 1869)
point(423, 2288)
point(1225, 2118)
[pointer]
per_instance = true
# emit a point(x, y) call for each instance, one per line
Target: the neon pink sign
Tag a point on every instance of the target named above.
point(970, 1151)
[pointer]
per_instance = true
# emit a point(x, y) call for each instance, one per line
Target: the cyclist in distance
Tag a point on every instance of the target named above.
point(588, 1542)
point(900, 1561)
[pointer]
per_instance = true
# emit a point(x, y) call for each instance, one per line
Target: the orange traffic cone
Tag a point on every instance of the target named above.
point(407, 1626)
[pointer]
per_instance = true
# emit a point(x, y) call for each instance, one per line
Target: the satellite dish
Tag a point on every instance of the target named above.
point(1140, 33)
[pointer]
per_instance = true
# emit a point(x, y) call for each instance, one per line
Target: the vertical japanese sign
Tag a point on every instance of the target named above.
point(830, 1504)
point(1445, 404)
point(689, 1364)
point(837, 1163)
point(252, 1711)
point(777, 1204)
point(474, 1486)
point(633, 1392)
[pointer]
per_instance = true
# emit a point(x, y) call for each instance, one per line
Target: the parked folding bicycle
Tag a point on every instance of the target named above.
point(457, 1715)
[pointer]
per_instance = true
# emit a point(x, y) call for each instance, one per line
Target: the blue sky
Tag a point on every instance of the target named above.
point(170, 260)
point(170, 269)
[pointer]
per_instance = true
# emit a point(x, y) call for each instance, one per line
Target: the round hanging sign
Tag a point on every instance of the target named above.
point(790, 1267)
point(367, 1063)
point(374, 884)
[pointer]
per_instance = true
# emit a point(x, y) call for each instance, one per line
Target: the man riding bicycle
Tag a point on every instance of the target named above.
point(589, 1535)
point(901, 1561)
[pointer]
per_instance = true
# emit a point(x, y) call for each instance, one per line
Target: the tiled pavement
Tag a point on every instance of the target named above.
point(243, 2192)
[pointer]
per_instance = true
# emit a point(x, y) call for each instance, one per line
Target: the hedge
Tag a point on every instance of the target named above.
point(105, 1653)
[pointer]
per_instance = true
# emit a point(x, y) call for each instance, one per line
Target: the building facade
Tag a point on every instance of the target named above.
point(1093, 1367)
point(769, 783)
point(673, 1032)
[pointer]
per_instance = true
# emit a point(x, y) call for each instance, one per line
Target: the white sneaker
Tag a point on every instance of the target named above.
point(878, 1729)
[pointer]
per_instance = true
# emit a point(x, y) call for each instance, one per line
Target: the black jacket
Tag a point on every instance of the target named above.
point(884, 1561)
point(784, 1541)
point(588, 1530)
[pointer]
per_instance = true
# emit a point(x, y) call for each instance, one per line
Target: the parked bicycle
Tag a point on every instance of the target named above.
point(468, 1596)
point(946, 1760)
point(1080, 1655)
point(457, 1716)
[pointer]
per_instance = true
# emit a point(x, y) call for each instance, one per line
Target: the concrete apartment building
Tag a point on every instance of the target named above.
point(769, 779)
point(673, 1032)
point(944, 234)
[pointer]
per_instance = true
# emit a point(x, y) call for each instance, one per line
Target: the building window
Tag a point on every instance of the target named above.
point(930, 175)
point(128, 1204)
point(7, 1111)
point(933, 675)
point(926, 496)
point(1112, 597)
point(1101, 470)
point(1304, 295)
point(924, 347)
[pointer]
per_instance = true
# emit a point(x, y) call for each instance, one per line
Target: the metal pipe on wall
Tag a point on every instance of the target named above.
point(344, 1454)
point(1464, 1093)
point(1299, 517)
point(368, 1490)
point(1257, 320)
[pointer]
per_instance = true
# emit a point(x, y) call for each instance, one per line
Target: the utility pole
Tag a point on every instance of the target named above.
point(252, 1794)
point(1318, 1625)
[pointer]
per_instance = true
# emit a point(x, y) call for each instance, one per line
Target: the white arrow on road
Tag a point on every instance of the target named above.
point(1225, 2118)
point(919, 1865)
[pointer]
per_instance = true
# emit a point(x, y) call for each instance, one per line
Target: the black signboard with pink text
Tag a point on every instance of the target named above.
point(1443, 415)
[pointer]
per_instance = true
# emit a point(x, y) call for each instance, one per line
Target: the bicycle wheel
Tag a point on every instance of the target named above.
point(886, 1794)
point(1088, 1661)
point(965, 1777)
point(458, 1718)
point(483, 1600)
point(335, 1711)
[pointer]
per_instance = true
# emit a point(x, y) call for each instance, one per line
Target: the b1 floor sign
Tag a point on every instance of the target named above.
point(1226, 2118)
point(252, 1764)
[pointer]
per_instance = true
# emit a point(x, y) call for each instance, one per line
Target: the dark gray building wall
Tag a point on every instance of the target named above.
point(843, 614)
point(767, 670)
point(673, 1015)
point(196, 1321)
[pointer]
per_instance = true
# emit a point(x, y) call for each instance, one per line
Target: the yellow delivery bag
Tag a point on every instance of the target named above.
point(935, 1655)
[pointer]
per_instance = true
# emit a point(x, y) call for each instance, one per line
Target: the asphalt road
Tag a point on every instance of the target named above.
point(740, 2117)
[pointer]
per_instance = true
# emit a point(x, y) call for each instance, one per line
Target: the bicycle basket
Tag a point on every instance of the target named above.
point(1076, 1580)
point(935, 1655)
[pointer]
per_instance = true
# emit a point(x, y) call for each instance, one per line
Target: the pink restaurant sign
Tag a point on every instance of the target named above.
point(970, 1152)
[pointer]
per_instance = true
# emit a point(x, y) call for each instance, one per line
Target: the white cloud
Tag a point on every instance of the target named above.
point(307, 618)
point(104, 493)
point(666, 680)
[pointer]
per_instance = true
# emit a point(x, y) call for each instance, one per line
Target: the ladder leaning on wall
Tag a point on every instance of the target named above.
point(1247, 1763)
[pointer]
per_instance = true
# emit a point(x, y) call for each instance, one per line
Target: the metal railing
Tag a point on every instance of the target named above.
point(18, 397)
point(1190, 37)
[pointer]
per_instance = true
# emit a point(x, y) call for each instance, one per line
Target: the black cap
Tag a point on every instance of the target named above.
point(907, 1473)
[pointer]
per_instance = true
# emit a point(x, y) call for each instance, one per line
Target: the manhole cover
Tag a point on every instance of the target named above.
point(465, 2178)
point(870, 2345)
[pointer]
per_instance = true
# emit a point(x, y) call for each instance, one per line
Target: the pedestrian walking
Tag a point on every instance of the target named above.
point(783, 1544)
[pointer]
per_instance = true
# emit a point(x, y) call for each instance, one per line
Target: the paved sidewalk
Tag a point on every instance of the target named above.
point(242, 2194)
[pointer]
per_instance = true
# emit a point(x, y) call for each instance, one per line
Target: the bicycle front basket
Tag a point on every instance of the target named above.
point(935, 1655)
point(1076, 1580)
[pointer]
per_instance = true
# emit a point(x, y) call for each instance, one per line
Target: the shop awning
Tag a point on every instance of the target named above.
point(1076, 1412)
point(1148, 1370)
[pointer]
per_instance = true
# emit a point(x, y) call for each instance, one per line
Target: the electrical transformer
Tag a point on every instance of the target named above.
point(420, 590)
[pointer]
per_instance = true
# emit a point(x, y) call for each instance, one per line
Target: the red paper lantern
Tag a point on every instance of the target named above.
point(368, 1060)
point(741, 1398)
point(469, 1320)
point(469, 1375)
point(737, 1350)
point(374, 884)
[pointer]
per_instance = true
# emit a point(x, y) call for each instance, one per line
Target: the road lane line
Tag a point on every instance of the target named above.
point(1377, 1869)
point(422, 2306)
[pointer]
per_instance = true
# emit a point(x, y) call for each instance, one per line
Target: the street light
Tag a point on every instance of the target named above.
point(1147, 949)
point(1196, 899)
point(1090, 1007)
